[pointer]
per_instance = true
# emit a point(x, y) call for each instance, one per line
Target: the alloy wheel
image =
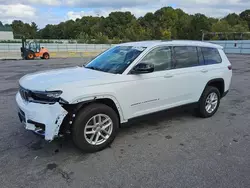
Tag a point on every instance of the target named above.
point(98, 129)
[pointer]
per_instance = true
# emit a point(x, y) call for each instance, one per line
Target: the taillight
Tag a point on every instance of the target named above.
point(229, 67)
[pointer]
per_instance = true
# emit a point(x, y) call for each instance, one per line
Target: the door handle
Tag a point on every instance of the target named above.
point(168, 76)
point(204, 70)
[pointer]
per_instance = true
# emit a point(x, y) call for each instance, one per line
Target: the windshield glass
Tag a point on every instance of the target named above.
point(115, 60)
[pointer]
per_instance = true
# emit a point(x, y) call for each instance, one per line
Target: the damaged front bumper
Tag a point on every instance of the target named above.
point(43, 119)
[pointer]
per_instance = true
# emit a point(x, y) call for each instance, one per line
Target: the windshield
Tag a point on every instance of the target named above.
point(115, 60)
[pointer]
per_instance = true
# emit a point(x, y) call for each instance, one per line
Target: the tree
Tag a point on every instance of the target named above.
point(165, 23)
point(199, 23)
point(245, 15)
point(166, 19)
point(233, 19)
point(33, 30)
point(183, 25)
point(149, 23)
point(221, 26)
point(116, 23)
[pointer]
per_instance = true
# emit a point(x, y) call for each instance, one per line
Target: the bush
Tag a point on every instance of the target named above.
point(10, 41)
point(116, 41)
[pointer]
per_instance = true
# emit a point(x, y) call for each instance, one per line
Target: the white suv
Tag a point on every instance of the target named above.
point(126, 81)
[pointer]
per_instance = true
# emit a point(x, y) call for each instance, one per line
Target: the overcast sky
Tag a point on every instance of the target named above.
point(54, 11)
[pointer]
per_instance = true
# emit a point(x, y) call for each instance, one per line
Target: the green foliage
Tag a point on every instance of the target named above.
point(83, 38)
point(165, 23)
point(116, 40)
point(245, 15)
point(166, 34)
point(10, 41)
point(101, 39)
point(221, 26)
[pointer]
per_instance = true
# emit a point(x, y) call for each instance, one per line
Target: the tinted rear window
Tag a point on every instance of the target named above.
point(211, 56)
point(185, 56)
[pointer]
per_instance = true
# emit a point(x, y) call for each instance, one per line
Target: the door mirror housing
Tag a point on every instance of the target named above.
point(142, 68)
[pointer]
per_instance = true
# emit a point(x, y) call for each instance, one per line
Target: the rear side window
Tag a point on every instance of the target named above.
point(185, 56)
point(211, 56)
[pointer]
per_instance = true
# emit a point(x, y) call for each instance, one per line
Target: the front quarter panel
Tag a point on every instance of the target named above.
point(75, 93)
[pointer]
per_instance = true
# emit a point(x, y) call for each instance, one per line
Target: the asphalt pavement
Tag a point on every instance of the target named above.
point(167, 149)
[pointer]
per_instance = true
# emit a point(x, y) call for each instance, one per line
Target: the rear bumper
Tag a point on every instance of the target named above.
point(42, 119)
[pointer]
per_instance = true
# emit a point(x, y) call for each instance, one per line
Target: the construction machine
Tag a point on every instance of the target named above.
point(31, 50)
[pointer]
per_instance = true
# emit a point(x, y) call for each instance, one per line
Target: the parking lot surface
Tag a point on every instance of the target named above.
point(167, 149)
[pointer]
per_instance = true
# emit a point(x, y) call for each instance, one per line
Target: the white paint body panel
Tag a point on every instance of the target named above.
point(134, 95)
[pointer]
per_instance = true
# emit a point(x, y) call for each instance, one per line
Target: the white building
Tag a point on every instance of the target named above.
point(6, 35)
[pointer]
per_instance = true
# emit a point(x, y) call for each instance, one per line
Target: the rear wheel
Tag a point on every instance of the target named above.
point(95, 127)
point(209, 102)
point(45, 56)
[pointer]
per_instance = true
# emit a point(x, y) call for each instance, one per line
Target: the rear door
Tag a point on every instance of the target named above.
point(216, 65)
point(188, 70)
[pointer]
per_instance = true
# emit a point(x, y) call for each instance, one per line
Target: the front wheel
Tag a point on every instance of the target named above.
point(209, 102)
point(95, 127)
point(30, 56)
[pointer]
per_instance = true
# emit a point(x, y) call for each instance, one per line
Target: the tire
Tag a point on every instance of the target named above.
point(85, 118)
point(208, 92)
point(45, 56)
point(30, 56)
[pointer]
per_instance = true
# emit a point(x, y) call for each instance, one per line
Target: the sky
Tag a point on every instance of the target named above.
point(44, 12)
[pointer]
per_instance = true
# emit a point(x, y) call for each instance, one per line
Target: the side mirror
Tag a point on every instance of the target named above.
point(143, 68)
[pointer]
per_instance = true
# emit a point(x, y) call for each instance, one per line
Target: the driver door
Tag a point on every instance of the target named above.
point(148, 91)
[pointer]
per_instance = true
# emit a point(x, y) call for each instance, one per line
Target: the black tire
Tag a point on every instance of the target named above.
point(30, 56)
point(46, 56)
point(81, 120)
point(202, 112)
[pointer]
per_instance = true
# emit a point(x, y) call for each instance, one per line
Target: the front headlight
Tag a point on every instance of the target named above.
point(53, 94)
point(50, 97)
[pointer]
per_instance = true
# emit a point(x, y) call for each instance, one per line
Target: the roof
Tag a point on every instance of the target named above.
point(171, 42)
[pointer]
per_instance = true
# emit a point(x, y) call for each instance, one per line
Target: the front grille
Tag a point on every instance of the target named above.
point(25, 94)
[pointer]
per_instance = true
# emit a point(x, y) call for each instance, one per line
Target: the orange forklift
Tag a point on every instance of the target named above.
point(31, 50)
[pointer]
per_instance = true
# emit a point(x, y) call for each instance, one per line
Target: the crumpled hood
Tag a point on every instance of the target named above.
point(46, 80)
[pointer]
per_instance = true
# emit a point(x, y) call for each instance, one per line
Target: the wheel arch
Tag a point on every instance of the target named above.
point(219, 83)
point(74, 107)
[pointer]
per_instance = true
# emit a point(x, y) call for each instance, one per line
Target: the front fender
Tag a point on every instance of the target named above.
point(105, 96)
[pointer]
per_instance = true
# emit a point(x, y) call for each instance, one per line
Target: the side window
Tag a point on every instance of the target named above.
point(211, 56)
point(160, 57)
point(185, 56)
